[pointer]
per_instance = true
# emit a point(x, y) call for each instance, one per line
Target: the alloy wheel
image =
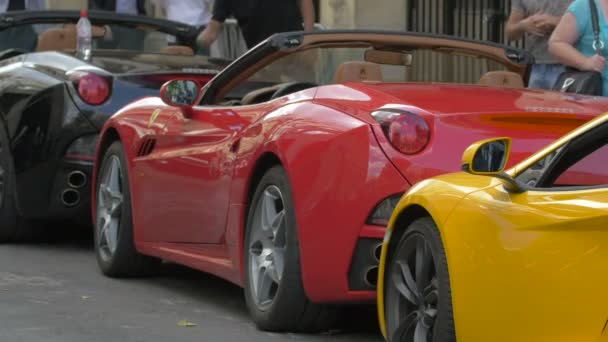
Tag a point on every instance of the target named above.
point(109, 207)
point(412, 292)
point(267, 246)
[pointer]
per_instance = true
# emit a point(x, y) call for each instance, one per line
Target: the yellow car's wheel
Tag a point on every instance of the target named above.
point(418, 300)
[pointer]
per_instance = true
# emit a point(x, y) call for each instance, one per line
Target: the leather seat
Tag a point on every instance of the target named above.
point(358, 72)
point(502, 79)
point(178, 50)
point(57, 39)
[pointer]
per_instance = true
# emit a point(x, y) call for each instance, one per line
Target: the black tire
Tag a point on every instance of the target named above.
point(290, 310)
point(13, 228)
point(124, 261)
point(420, 241)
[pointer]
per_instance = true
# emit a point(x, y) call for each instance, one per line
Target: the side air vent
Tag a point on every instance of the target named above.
point(147, 146)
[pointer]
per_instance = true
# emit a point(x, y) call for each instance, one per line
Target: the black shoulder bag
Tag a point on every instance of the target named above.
point(584, 82)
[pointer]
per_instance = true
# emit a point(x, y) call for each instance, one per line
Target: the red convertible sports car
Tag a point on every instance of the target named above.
point(281, 173)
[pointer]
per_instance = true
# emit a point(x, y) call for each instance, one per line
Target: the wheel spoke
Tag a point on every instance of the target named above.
point(278, 229)
point(421, 333)
point(424, 262)
point(407, 280)
point(405, 326)
point(112, 234)
point(265, 283)
point(114, 179)
point(269, 211)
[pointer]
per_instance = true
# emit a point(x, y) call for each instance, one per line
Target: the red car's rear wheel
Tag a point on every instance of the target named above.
point(273, 280)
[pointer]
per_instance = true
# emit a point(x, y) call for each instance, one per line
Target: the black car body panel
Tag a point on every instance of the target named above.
point(52, 132)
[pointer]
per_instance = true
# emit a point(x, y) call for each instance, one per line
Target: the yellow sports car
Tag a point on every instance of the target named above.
point(488, 255)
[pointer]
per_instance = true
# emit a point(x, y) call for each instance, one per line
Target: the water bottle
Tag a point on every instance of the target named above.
point(83, 38)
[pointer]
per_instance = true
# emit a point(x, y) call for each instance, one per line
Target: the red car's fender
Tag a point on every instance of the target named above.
point(337, 172)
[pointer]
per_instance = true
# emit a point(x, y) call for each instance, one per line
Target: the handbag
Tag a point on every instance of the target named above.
point(584, 82)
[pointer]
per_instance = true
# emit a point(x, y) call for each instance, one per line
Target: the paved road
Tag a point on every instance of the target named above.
point(53, 292)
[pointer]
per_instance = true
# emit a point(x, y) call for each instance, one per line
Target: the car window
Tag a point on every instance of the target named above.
point(581, 163)
point(319, 66)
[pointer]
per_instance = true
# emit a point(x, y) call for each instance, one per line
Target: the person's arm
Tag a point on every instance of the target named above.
point(307, 9)
point(209, 34)
point(518, 24)
point(561, 45)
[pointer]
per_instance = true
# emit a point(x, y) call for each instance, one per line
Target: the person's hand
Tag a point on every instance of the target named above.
point(534, 25)
point(546, 22)
point(595, 63)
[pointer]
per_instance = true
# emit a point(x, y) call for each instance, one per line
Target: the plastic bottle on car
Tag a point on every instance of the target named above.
point(83, 38)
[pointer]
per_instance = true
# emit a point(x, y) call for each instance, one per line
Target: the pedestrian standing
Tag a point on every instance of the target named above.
point(535, 20)
point(196, 13)
point(260, 19)
point(574, 43)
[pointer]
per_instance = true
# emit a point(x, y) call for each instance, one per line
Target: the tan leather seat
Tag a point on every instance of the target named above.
point(57, 39)
point(178, 50)
point(502, 79)
point(358, 72)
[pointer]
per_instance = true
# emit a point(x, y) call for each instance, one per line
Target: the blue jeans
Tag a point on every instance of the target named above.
point(544, 76)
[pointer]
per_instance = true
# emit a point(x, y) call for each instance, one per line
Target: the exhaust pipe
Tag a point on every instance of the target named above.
point(377, 252)
point(370, 277)
point(70, 198)
point(77, 179)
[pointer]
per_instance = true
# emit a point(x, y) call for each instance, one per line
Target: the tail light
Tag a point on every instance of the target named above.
point(92, 88)
point(407, 132)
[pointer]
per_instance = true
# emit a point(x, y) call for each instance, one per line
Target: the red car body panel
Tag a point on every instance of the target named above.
point(190, 194)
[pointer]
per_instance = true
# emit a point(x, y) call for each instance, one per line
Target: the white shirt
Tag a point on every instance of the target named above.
point(126, 6)
point(191, 12)
point(29, 5)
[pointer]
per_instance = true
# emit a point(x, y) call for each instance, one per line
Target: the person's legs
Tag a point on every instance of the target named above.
point(537, 77)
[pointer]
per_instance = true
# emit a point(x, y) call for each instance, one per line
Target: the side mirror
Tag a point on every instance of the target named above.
point(180, 93)
point(487, 157)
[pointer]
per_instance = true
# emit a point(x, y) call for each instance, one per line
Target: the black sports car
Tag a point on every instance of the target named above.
point(52, 104)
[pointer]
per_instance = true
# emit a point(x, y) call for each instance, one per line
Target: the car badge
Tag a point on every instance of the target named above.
point(153, 117)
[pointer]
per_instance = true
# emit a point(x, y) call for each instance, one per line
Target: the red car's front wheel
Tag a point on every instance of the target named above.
point(114, 244)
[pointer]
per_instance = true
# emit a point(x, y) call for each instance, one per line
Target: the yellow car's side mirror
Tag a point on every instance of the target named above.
point(487, 157)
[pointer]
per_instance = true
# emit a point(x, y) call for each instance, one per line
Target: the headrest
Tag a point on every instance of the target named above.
point(503, 79)
point(178, 50)
point(57, 39)
point(358, 72)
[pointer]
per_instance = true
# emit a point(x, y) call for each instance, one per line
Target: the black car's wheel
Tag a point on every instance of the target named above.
point(114, 244)
point(418, 301)
point(273, 281)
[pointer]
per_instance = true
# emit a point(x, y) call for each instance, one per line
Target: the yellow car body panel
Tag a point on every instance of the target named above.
point(523, 267)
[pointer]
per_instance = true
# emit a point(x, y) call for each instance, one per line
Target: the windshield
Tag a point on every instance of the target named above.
point(62, 36)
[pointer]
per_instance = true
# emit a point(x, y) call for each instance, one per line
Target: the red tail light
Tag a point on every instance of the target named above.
point(407, 132)
point(92, 88)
